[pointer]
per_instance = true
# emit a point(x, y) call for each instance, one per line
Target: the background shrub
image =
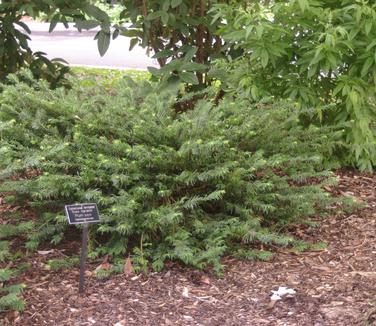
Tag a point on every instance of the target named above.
point(191, 187)
point(317, 53)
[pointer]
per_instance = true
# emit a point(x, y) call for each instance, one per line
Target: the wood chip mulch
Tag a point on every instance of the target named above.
point(334, 286)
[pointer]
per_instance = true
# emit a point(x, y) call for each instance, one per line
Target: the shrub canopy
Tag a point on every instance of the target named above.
point(191, 187)
point(314, 52)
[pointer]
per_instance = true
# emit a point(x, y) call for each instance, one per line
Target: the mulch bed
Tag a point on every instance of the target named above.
point(334, 286)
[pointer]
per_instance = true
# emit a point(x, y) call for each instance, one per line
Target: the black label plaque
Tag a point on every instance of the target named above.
point(82, 213)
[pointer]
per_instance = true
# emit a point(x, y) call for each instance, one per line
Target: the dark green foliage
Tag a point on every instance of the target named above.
point(10, 230)
point(10, 294)
point(15, 52)
point(12, 301)
point(59, 264)
point(6, 274)
point(181, 34)
point(4, 250)
point(215, 180)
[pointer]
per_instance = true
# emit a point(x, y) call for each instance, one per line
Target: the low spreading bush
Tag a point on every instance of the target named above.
point(193, 187)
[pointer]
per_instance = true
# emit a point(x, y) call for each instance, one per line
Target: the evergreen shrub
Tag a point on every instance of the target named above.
point(10, 295)
point(192, 187)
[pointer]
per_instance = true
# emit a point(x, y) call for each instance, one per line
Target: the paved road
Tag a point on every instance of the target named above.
point(80, 48)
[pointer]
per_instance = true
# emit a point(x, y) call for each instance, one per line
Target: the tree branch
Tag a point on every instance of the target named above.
point(152, 37)
point(200, 40)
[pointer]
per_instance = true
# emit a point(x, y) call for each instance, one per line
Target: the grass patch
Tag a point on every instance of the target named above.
point(109, 76)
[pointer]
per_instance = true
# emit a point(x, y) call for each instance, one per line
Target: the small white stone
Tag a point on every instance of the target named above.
point(275, 297)
point(120, 323)
point(185, 293)
point(282, 291)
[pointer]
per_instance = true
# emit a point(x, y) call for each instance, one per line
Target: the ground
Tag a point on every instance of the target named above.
point(334, 286)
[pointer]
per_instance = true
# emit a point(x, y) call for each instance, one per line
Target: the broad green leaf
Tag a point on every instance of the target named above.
point(368, 26)
point(345, 90)
point(216, 17)
point(96, 12)
point(166, 5)
point(303, 4)
point(189, 77)
point(173, 65)
point(154, 71)
point(175, 3)
point(87, 24)
point(131, 33)
point(172, 20)
point(318, 57)
point(337, 89)
point(29, 10)
point(164, 17)
point(190, 53)
point(311, 71)
point(294, 93)
point(103, 42)
point(259, 31)
point(123, 14)
point(254, 92)
point(354, 98)
point(55, 19)
point(163, 54)
point(115, 34)
point(264, 58)
point(133, 43)
point(371, 45)
point(367, 64)
point(22, 38)
point(358, 14)
point(332, 60)
point(248, 31)
point(154, 15)
point(40, 53)
point(59, 60)
point(64, 21)
point(24, 26)
point(193, 66)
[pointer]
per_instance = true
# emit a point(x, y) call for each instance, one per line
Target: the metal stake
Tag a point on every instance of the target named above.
point(83, 257)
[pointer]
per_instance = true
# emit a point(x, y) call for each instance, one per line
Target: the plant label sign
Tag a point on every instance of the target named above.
point(82, 213)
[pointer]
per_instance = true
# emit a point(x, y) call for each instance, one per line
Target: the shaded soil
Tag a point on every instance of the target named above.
point(334, 286)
